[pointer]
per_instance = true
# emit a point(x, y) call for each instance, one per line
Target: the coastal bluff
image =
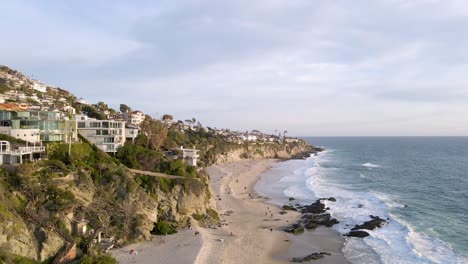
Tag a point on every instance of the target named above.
point(297, 150)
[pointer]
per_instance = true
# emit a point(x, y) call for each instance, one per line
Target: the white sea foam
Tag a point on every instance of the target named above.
point(396, 242)
point(370, 165)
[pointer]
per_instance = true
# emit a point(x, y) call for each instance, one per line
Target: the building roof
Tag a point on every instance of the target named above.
point(10, 107)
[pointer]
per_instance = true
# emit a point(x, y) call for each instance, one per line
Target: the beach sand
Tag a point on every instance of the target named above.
point(250, 220)
point(180, 248)
point(251, 231)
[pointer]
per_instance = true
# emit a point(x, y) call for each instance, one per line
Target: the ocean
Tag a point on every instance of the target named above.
point(419, 183)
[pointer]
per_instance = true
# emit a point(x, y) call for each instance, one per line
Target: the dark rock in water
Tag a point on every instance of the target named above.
point(312, 221)
point(295, 229)
point(289, 207)
point(283, 212)
point(313, 256)
point(360, 206)
point(291, 199)
point(374, 223)
point(332, 199)
point(358, 233)
point(316, 208)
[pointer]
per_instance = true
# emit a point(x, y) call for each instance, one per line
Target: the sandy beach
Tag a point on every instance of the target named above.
point(251, 231)
point(256, 226)
point(182, 248)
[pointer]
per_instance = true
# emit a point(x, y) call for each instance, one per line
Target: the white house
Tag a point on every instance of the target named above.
point(39, 86)
point(190, 156)
point(249, 137)
point(135, 118)
point(108, 135)
point(82, 101)
point(69, 109)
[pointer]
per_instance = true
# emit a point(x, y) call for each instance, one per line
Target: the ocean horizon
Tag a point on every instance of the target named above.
point(417, 183)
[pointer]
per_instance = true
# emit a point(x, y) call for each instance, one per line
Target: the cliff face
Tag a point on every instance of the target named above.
point(186, 198)
point(120, 204)
point(263, 151)
point(16, 238)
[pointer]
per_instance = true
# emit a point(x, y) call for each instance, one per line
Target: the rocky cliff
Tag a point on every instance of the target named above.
point(273, 151)
point(122, 205)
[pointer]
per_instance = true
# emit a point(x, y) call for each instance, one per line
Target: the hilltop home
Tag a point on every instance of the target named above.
point(39, 86)
point(35, 126)
point(190, 156)
point(108, 135)
point(134, 118)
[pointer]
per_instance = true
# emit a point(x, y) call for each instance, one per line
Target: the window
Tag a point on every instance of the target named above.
point(95, 124)
point(81, 124)
point(108, 140)
point(98, 132)
point(105, 132)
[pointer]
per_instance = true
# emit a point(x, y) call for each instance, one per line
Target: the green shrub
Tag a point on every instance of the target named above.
point(165, 184)
point(163, 228)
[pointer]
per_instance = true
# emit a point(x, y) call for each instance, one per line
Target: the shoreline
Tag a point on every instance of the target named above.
point(257, 225)
point(251, 229)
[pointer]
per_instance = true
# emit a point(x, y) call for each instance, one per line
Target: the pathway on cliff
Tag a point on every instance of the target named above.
point(156, 174)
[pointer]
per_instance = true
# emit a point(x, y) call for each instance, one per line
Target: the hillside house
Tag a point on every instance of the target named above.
point(35, 126)
point(108, 135)
point(135, 118)
point(190, 156)
point(39, 86)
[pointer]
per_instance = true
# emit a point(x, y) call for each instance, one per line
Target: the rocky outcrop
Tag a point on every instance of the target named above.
point(358, 233)
point(184, 200)
point(272, 151)
point(295, 229)
point(375, 222)
point(313, 216)
point(313, 256)
point(312, 221)
point(50, 246)
point(16, 238)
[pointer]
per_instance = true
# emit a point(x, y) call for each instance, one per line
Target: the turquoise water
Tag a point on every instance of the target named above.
point(419, 183)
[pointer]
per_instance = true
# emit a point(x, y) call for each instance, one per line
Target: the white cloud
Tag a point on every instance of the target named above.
point(312, 67)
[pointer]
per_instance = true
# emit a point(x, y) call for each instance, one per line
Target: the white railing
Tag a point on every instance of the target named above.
point(23, 150)
point(32, 149)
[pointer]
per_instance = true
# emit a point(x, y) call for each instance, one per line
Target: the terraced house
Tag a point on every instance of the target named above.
point(108, 135)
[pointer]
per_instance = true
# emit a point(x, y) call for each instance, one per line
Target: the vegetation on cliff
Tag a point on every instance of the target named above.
point(40, 201)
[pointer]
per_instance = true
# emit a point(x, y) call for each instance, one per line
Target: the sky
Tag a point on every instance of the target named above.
point(314, 68)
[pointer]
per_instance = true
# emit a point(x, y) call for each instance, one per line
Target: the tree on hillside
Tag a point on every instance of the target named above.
point(101, 106)
point(167, 117)
point(124, 108)
point(155, 131)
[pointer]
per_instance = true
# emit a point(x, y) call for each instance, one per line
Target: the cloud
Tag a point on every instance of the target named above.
point(388, 67)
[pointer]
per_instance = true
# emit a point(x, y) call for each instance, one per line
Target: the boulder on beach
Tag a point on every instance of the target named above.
point(312, 221)
point(375, 222)
point(313, 256)
point(294, 229)
point(289, 207)
point(358, 233)
point(315, 208)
